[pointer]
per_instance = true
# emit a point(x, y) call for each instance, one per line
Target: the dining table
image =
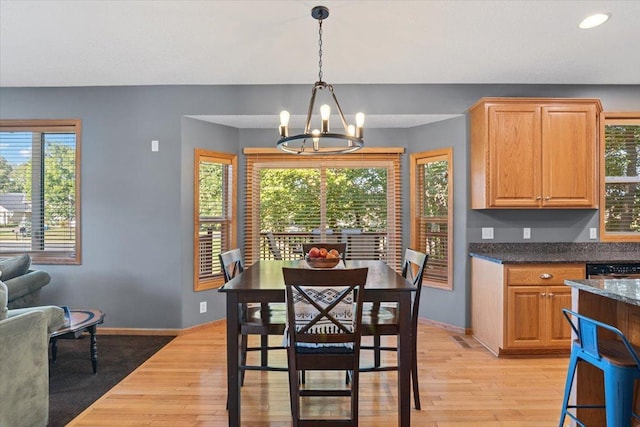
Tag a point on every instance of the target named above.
point(263, 282)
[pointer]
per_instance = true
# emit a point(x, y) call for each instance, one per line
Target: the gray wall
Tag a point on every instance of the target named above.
point(137, 205)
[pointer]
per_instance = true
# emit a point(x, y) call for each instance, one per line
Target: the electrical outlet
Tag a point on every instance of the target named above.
point(487, 232)
point(593, 233)
point(154, 145)
point(203, 307)
point(526, 233)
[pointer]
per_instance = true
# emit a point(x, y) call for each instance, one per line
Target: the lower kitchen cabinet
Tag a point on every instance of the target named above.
point(534, 317)
point(517, 308)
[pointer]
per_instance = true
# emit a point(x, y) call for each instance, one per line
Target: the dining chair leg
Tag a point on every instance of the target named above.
point(264, 352)
point(264, 339)
point(376, 351)
point(414, 372)
point(294, 378)
point(243, 353)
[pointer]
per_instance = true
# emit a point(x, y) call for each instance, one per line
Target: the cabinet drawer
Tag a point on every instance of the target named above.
point(548, 274)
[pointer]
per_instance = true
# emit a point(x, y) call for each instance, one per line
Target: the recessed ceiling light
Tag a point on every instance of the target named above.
point(594, 20)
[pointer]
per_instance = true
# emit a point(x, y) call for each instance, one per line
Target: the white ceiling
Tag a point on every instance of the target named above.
point(173, 42)
point(146, 42)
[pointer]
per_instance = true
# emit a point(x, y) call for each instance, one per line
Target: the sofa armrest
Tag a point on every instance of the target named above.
point(54, 315)
point(26, 284)
point(24, 370)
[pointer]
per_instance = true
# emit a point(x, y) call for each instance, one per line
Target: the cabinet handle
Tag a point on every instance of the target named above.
point(551, 295)
point(543, 294)
point(548, 198)
point(546, 276)
point(539, 197)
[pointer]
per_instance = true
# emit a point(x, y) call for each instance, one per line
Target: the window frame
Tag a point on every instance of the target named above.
point(608, 118)
point(217, 280)
point(417, 159)
point(388, 157)
point(74, 256)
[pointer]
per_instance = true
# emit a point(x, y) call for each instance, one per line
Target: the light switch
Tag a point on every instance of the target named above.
point(593, 233)
point(526, 233)
point(154, 145)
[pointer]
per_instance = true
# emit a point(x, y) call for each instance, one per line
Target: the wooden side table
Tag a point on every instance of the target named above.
point(81, 321)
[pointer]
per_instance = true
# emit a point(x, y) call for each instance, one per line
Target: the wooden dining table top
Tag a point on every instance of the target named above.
point(266, 275)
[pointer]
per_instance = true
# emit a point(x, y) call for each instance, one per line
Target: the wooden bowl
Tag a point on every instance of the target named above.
point(322, 262)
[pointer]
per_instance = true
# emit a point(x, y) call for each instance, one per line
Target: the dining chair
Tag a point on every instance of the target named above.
point(323, 334)
point(612, 354)
point(255, 319)
point(273, 246)
point(382, 319)
point(340, 247)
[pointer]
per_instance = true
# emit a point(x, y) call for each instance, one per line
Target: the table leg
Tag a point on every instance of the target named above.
point(54, 349)
point(93, 348)
point(404, 361)
point(233, 353)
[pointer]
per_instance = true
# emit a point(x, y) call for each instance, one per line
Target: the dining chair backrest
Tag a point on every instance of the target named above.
point(231, 264)
point(413, 270)
point(273, 246)
point(320, 306)
point(340, 247)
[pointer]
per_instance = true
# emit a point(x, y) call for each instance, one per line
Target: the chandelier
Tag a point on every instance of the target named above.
point(322, 140)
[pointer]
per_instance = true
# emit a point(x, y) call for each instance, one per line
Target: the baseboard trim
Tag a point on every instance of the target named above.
point(150, 331)
point(445, 326)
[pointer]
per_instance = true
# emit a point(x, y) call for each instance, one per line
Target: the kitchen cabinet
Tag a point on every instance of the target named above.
point(534, 153)
point(517, 308)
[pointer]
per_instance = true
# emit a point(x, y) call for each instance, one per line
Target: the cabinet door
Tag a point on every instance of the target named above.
point(569, 148)
point(526, 316)
point(514, 160)
point(557, 328)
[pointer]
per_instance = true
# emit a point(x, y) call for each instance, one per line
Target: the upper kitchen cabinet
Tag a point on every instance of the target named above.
point(534, 153)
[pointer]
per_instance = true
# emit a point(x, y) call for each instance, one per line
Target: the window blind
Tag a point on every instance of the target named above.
point(353, 198)
point(39, 190)
point(214, 215)
point(432, 214)
point(621, 195)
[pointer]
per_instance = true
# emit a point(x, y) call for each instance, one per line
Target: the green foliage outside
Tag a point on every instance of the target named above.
point(291, 199)
point(58, 183)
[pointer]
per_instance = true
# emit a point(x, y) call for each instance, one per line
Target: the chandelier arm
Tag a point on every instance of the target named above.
point(340, 113)
point(312, 101)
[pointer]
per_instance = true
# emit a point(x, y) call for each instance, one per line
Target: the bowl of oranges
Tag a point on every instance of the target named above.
point(322, 258)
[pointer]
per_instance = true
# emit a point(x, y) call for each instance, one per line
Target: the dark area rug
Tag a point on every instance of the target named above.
point(72, 384)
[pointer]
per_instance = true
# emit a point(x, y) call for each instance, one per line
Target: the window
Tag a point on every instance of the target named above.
point(432, 214)
point(40, 190)
point(353, 198)
point(620, 177)
point(214, 215)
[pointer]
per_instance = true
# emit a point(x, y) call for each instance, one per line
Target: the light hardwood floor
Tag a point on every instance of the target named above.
point(461, 384)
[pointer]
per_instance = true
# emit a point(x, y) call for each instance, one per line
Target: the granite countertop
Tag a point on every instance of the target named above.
point(531, 253)
point(625, 290)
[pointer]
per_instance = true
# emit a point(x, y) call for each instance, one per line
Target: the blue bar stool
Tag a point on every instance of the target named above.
point(617, 359)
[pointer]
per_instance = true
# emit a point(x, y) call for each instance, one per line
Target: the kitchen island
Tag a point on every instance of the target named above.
point(617, 303)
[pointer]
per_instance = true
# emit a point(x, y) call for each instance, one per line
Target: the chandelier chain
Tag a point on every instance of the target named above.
point(320, 50)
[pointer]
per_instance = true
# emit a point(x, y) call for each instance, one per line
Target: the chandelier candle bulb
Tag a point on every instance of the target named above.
point(325, 113)
point(284, 123)
point(359, 125)
point(316, 140)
